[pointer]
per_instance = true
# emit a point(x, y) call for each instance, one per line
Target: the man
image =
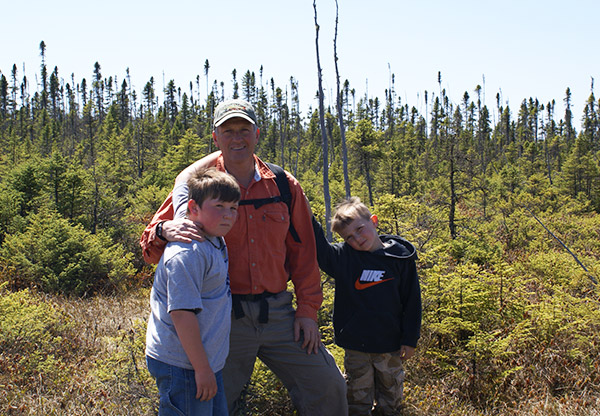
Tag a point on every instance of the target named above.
point(264, 255)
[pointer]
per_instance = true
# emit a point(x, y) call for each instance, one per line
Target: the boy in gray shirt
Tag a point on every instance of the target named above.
point(187, 340)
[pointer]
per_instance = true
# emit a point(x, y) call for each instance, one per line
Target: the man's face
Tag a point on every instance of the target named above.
point(237, 139)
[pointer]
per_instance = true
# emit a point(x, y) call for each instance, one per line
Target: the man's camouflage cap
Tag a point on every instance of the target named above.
point(234, 108)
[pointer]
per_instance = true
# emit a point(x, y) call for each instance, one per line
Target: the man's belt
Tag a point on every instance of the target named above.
point(263, 315)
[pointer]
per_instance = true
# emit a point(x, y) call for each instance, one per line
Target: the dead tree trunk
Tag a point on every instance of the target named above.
point(327, 197)
point(340, 110)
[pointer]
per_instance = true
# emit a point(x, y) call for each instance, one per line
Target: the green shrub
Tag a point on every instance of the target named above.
point(32, 340)
point(125, 368)
point(60, 257)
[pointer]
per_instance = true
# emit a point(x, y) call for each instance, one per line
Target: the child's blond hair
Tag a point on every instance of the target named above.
point(347, 211)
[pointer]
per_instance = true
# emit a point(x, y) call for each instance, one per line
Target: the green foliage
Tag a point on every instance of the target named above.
point(125, 367)
point(69, 186)
point(60, 257)
point(189, 149)
point(9, 209)
point(26, 182)
point(510, 315)
point(32, 338)
point(265, 394)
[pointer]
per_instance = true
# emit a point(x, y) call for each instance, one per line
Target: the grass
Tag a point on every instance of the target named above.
point(87, 358)
point(101, 373)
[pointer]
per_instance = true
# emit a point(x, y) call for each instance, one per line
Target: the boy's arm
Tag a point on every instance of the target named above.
point(188, 331)
point(411, 299)
point(326, 253)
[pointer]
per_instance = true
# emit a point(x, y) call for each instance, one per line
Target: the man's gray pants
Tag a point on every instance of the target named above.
point(314, 381)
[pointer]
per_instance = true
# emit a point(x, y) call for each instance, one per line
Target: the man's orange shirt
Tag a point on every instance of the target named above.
point(262, 253)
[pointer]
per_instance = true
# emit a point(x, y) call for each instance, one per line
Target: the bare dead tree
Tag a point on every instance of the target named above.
point(324, 145)
point(296, 106)
point(590, 276)
point(340, 110)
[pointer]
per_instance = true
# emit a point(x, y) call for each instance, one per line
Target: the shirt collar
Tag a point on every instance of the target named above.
point(257, 176)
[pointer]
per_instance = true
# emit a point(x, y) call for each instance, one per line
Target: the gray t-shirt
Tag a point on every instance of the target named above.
point(191, 276)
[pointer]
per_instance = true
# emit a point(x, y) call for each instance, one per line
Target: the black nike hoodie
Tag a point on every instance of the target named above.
point(377, 306)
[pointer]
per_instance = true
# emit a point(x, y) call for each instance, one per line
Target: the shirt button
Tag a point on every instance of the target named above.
point(253, 264)
point(250, 216)
point(255, 287)
point(252, 240)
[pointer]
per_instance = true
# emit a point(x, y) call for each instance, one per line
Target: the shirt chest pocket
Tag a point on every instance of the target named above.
point(275, 221)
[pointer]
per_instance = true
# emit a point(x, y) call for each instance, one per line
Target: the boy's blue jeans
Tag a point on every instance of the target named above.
point(177, 389)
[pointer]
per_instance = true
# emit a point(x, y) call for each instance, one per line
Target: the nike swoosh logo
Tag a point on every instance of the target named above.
point(362, 286)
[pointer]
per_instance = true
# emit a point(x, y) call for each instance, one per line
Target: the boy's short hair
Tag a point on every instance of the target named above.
point(347, 211)
point(213, 184)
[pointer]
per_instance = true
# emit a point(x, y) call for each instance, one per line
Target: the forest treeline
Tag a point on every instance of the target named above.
point(101, 155)
point(504, 213)
point(80, 120)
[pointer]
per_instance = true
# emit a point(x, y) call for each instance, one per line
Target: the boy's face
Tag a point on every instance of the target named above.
point(216, 216)
point(361, 234)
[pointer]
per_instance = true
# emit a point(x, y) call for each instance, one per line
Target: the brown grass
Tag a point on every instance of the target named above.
point(101, 325)
point(105, 374)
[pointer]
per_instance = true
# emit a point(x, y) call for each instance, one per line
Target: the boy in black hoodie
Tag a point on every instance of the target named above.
point(377, 307)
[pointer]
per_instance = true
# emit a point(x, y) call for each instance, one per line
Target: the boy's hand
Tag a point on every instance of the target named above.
point(312, 336)
point(183, 230)
point(406, 352)
point(206, 385)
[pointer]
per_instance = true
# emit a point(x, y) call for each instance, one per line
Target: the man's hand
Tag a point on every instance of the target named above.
point(406, 352)
point(206, 385)
point(312, 336)
point(182, 230)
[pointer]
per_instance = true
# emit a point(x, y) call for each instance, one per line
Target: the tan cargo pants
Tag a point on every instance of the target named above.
point(374, 381)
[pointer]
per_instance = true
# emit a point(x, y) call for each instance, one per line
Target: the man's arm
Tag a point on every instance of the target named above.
point(152, 246)
point(206, 162)
point(180, 229)
point(301, 259)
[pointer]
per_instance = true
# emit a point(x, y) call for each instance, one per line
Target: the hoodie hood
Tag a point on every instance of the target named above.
point(397, 247)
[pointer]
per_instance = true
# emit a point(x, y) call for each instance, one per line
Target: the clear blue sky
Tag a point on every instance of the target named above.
point(521, 48)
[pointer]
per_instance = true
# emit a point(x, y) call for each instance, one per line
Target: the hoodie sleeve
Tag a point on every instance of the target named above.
point(325, 250)
point(411, 299)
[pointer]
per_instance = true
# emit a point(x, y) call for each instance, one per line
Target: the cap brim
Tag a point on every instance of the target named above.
point(234, 114)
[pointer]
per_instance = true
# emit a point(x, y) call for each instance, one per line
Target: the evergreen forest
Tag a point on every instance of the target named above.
point(502, 204)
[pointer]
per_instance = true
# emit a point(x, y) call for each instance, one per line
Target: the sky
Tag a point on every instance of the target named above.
point(519, 49)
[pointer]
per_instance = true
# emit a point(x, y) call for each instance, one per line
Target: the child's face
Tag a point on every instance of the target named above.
point(361, 234)
point(216, 216)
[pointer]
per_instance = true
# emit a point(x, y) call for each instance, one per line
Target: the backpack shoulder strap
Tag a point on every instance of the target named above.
point(282, 183)
point(286, 195)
